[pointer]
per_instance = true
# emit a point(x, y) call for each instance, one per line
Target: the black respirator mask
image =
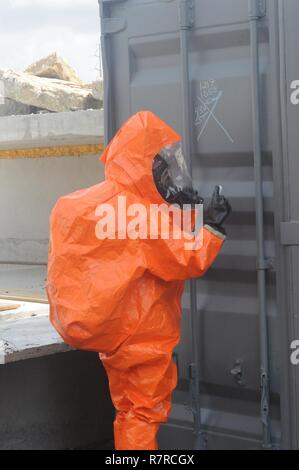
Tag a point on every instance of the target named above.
point(172, 178)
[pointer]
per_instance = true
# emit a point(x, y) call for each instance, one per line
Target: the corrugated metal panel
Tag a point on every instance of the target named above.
point(143, 71)
point(285, 120)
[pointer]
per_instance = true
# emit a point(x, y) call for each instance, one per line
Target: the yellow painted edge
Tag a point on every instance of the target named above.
point(56, 151)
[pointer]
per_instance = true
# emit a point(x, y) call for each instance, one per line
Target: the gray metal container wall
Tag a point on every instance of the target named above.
point(142, 71)
point(285, 144)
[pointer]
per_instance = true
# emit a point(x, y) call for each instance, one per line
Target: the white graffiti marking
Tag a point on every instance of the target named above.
point(207, 103)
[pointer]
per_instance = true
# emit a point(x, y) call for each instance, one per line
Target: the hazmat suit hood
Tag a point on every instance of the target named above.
point(129, 157)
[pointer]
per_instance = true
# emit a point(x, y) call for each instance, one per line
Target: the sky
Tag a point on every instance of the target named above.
point(32, 29)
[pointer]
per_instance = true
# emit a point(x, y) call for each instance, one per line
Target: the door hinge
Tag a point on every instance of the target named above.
point(112, 25)
point(289, 233)
point(257, 9)
point(186, 14)
point(266, 264)
point(265, 406)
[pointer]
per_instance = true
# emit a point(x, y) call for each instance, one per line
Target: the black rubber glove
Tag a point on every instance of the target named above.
point(218, 211)
point(187, 196)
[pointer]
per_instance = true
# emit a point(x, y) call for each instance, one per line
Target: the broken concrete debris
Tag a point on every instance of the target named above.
point(54, 66)
point(10, 108)
point(45, 93)
point(97, 90)
point(48, 85)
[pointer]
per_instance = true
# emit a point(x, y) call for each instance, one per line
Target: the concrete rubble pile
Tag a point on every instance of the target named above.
point(48, 85)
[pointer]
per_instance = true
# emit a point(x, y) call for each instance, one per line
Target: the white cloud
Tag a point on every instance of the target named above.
point(78, 49)
point(32, 33)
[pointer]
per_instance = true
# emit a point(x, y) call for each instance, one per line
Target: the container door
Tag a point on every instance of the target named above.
point(285, 124)
point(142, 71)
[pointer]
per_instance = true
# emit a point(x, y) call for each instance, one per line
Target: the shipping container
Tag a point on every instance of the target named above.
point(223, 74)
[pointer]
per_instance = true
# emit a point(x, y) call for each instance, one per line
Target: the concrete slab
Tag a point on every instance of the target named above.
point(56, 402)
point(17, 310)
point(23, 282)
point(26, 332)
point(43, 130)
point(27, 338)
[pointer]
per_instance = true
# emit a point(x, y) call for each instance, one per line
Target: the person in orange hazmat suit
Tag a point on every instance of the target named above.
point(119, 294)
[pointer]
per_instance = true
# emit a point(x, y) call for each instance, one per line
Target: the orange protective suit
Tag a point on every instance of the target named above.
point(122, 297)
